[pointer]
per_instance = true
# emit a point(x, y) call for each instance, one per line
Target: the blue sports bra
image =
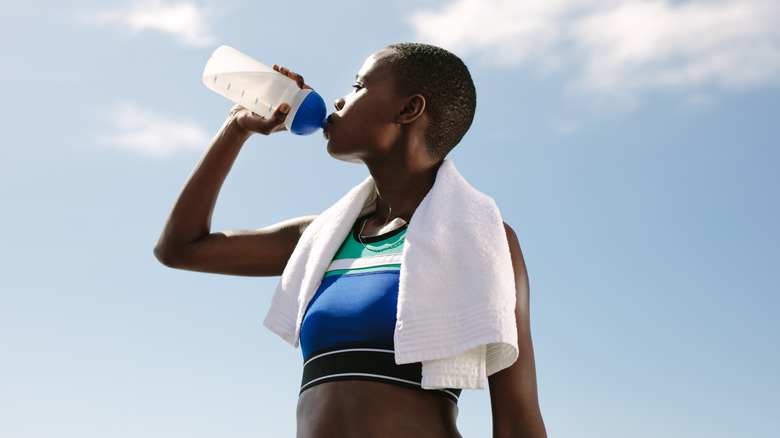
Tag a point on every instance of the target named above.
point(347, 331)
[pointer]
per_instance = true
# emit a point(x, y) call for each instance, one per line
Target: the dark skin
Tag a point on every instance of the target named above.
point(375, 126)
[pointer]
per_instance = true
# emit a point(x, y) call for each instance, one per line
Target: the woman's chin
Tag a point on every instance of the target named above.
point(347, 158)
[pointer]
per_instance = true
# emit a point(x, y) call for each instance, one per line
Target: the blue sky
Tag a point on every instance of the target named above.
point(632, 144)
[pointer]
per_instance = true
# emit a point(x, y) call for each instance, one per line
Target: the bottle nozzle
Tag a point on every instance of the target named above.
point(311, 115)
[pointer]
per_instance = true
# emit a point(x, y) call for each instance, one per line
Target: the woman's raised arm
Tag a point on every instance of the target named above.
point(187, 242)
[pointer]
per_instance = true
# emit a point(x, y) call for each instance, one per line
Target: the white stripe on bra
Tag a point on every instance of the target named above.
point(365, 262)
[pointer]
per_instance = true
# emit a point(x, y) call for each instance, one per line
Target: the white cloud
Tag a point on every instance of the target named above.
point(619, 47)
point(505, 32)
point(185, 21)
point(148, 133)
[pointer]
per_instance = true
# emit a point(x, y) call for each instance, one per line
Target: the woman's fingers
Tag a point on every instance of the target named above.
point(258, 124)
point(292, 75)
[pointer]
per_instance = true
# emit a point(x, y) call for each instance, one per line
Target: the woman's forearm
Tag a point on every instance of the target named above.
point(190, 217)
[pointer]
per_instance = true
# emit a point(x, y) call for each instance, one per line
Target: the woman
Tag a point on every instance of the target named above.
point(411, 104)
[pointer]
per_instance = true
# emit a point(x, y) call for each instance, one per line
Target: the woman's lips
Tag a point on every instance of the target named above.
point(325, 132)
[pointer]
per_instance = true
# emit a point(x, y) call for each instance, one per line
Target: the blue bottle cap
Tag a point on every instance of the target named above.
point(311, 115)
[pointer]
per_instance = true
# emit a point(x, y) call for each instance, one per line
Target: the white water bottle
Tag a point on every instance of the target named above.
point(262, 89)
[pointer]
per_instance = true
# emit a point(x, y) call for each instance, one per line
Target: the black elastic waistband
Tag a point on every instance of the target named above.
point(375, 364)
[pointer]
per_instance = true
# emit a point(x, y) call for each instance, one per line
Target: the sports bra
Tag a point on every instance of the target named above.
point(348, 328)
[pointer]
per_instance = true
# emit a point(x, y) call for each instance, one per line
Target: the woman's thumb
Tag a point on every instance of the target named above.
point(281, 113)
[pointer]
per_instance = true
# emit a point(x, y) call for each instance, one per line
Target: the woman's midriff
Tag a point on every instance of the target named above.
point(360, 409)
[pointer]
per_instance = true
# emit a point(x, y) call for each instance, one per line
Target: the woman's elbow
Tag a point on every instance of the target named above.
point(166, 254)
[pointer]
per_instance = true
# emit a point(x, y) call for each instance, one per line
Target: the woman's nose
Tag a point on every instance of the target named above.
point(339, 103)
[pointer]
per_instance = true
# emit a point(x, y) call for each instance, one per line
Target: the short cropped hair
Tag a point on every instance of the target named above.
point(445, 82)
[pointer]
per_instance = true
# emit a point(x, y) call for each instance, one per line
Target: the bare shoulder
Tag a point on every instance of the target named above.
point(511, 237)
point(518, 262)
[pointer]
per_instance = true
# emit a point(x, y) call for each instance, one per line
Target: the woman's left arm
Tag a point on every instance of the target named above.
point(514, 399)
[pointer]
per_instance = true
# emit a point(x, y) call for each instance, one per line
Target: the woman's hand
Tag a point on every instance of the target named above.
point(252, 123)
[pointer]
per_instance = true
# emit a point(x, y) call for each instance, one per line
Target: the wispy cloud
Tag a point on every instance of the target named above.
point(619, 47)
point(504, 32)
point(146, 132)
point(185, 21)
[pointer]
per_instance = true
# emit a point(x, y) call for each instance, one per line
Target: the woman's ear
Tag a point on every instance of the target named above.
point(412, 109)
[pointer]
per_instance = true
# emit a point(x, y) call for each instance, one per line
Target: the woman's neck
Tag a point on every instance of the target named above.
point(400, 191)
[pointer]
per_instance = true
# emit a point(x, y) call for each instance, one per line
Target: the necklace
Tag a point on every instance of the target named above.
point(394, 245)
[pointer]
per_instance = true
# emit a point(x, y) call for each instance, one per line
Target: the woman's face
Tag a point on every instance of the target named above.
point(365, 120)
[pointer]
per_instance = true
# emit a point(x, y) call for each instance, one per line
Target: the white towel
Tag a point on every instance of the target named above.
point(456, 296)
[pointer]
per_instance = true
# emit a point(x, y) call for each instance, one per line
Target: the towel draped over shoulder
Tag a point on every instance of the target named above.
point(456, 297)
